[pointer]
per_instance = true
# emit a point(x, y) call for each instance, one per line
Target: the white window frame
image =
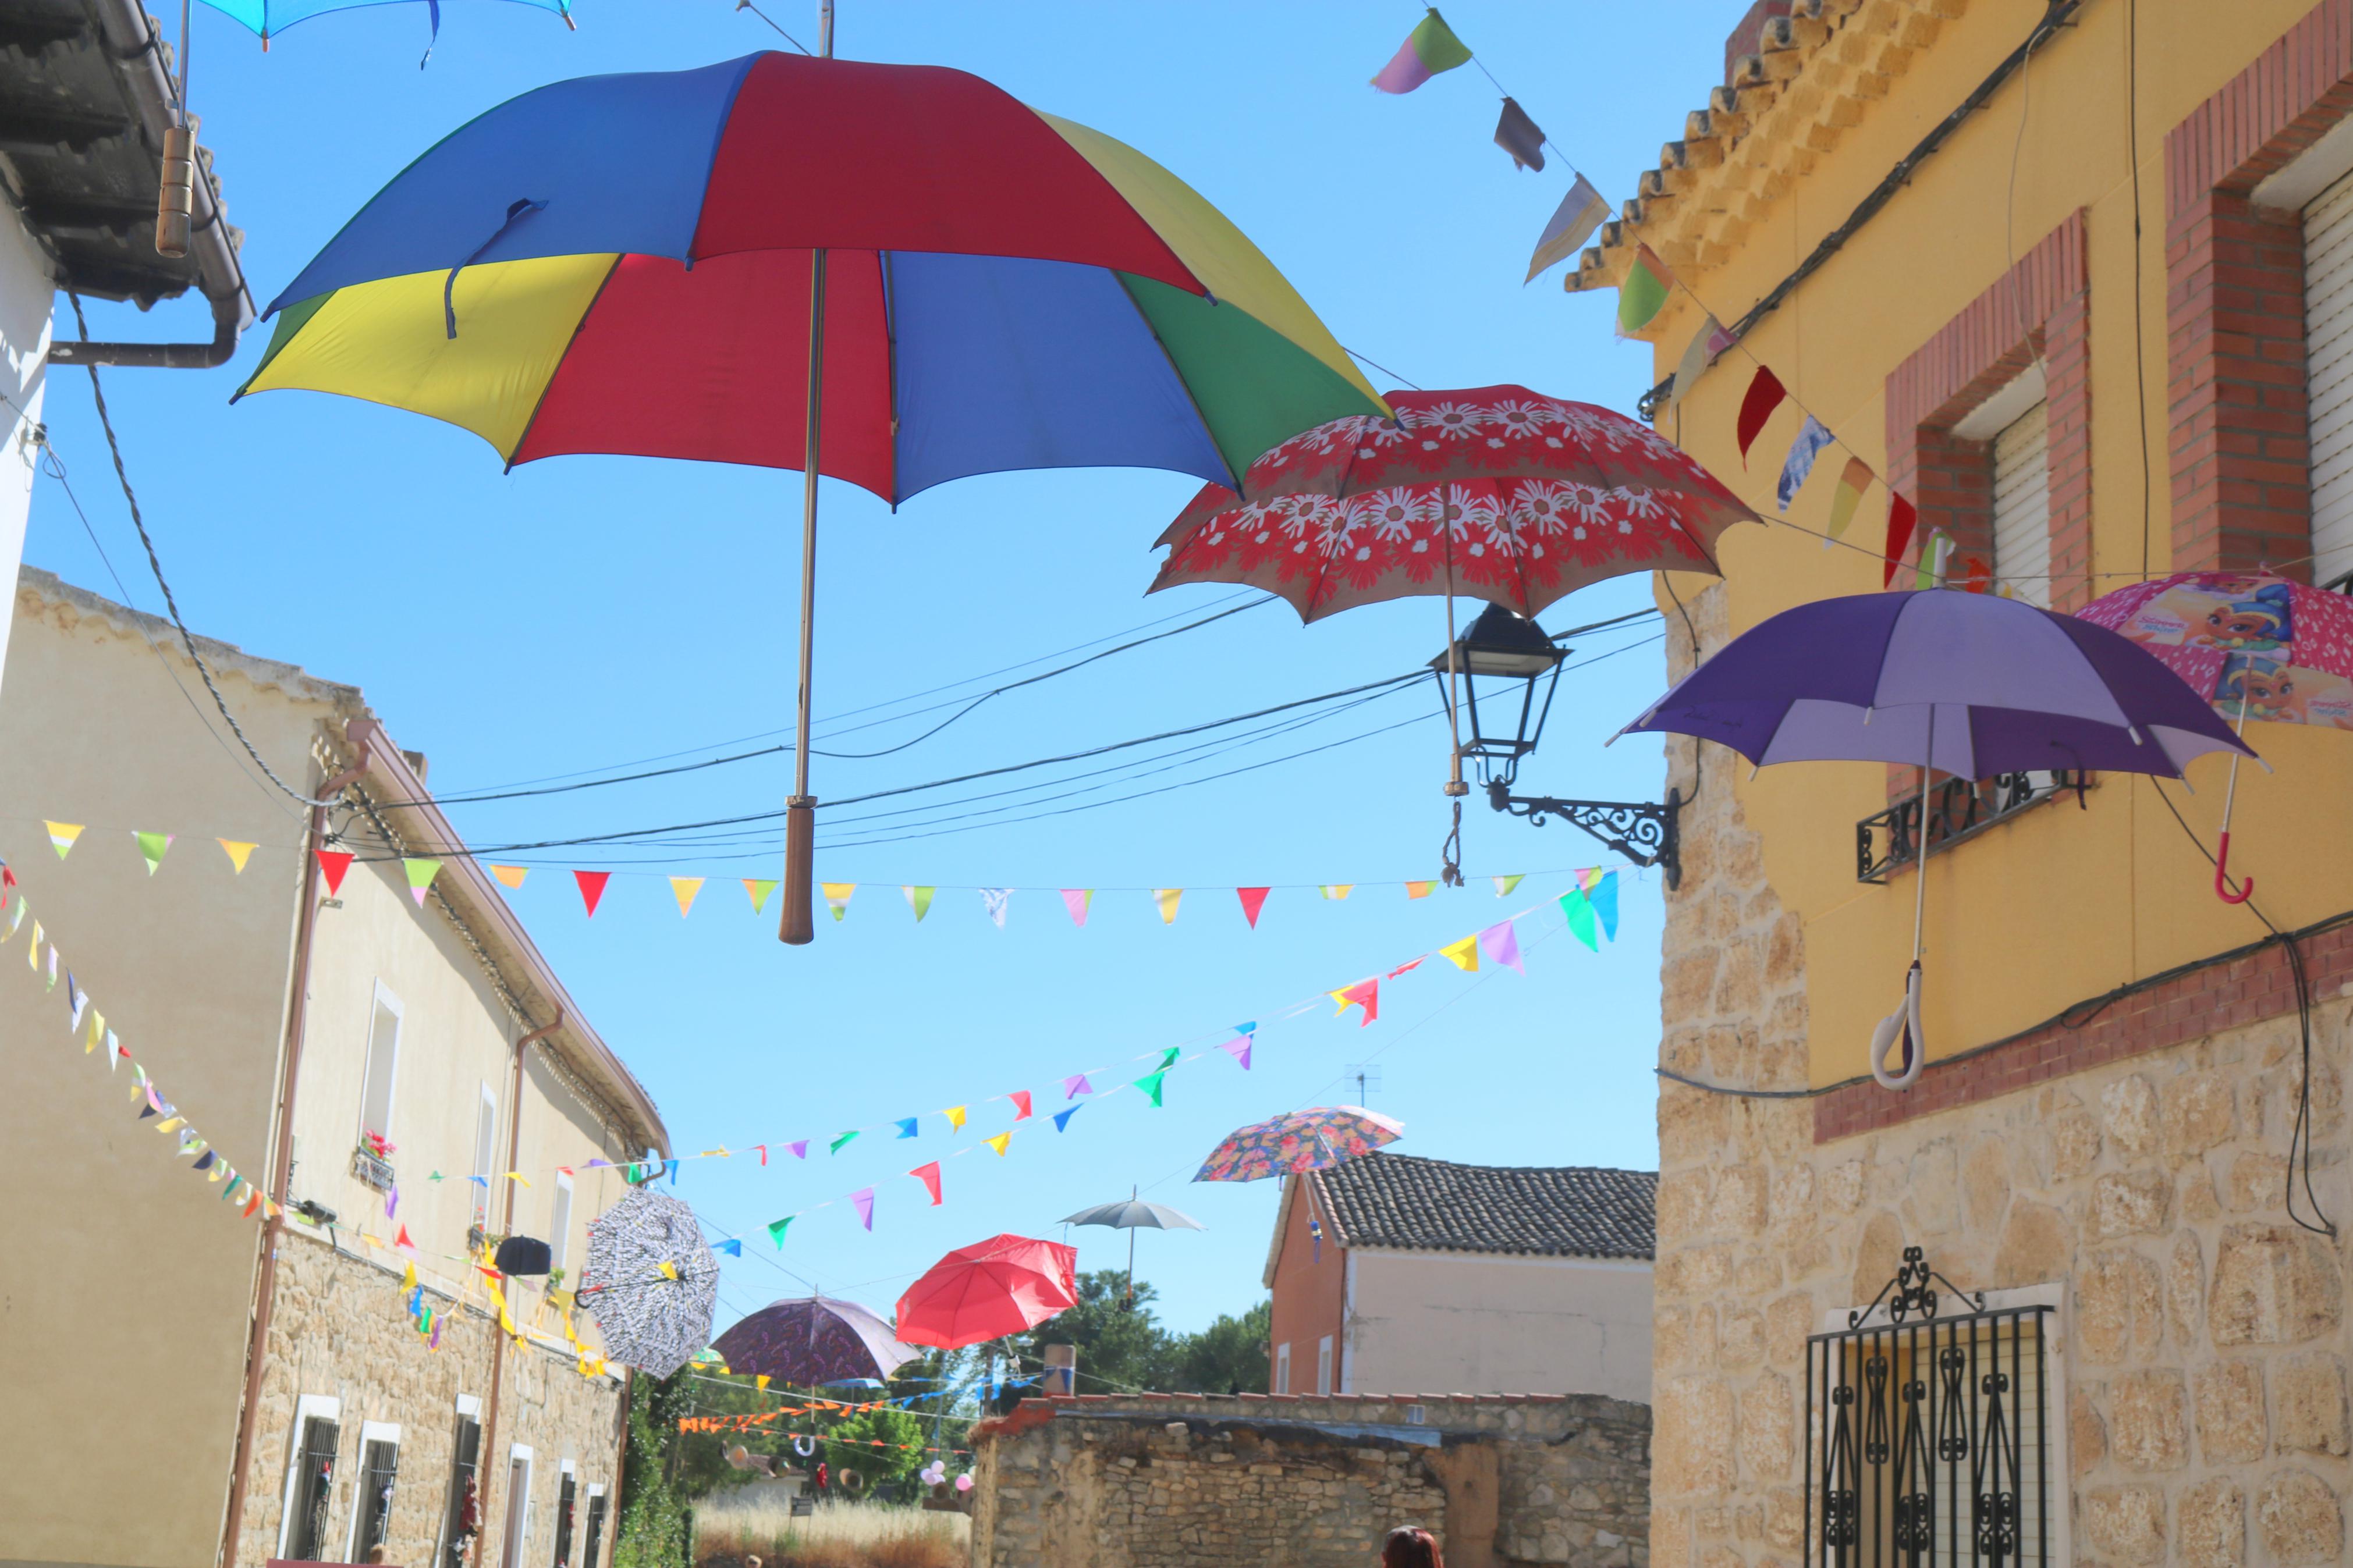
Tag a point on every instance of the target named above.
point(559, 1218)
point(305, 1406)
point(385, 999)
point(519, 1534)
point(1282, 1367)
point(466, 1405)
point(1327, 1353)
point(2059, 1525)
point(370, 1432)
point(486, 1152)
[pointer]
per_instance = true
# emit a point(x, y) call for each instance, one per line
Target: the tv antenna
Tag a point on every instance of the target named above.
point(1366, 1075)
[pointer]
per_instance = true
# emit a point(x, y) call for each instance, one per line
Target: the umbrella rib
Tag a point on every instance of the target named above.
point(1229, 478)
point(578, 327)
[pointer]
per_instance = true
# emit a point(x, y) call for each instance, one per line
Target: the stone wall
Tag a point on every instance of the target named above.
point(2202, 1337)
point(337, 1328)
point(1172, 1480)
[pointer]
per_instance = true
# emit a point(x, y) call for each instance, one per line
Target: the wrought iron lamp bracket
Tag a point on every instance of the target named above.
point(1643, 831)
point(1911, 1293)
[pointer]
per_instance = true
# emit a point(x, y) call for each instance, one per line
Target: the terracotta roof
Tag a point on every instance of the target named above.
point(1434, 1205)
point(1816, 74)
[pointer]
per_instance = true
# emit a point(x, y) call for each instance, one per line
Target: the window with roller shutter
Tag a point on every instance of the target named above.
point(2328, 375)
point(2022, 506)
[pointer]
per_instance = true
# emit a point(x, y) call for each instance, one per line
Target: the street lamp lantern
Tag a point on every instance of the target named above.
point(1512, 655)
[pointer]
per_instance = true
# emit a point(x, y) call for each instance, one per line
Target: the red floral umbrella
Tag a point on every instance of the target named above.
point(1495, 492)
point(988, 1290)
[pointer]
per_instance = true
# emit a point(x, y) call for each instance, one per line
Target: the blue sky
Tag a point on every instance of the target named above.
point(587, 612)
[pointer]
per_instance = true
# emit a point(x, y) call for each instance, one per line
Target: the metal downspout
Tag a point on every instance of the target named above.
point(506, 1227)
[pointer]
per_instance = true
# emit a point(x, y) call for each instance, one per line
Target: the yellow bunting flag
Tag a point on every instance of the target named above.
point(409, 1277)
point(1166, 899)
point(760, 1381)
point(955, 1113)
point(33, 953)
point(97, 1031)
point(1504, 885)
point(511, 875)
point(62, 835)
point(683, 889)
point(759, 890)
point(836, 896)
point(999, 1142)
point(1853, 480)
point(1464, 955)
point(1338, 890)
point(238, 852)
point(518, 1176)
point(1420, 890)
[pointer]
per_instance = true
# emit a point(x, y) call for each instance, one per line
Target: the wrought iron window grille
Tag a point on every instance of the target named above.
point(371, 1168)
point(1959, 808)
point(1929, 1432)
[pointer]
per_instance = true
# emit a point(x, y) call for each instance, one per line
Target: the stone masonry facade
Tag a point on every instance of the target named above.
point(1303, 1481)
point(2201, 1338)
point(337, 1328)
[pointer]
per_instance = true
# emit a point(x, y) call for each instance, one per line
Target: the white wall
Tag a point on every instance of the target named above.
point(25, 295)
point(1433, 1322)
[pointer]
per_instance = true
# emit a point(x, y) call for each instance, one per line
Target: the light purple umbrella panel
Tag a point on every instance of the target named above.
point(1966, 684)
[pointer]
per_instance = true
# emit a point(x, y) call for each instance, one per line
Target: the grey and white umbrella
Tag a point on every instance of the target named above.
point(1131, 1214)
point(650, 1282)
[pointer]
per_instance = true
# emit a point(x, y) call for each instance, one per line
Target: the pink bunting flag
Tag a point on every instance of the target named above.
point(763, 1148)
point(930, 1177)
point(1253, 900)
point(1365, 993)
point(592, 888)
point(864, 1200)
point(1502, 944)
point(1020, 1099)
point(1076, 901)
point(1076, 1085)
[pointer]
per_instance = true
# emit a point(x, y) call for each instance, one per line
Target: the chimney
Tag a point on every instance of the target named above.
point(1747, 36)
point(416, 758)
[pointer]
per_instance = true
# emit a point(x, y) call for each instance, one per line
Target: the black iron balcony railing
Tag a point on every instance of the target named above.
point(371, 1168)
point(1957, 809)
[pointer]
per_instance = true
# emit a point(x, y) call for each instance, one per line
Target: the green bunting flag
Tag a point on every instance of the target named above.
point(1644, 293)
point(837, 1143)
point(1168, 1059)
point(1430, 49)
point(1151, 1084)
point(152, 847)
point(1579, 911)
point(920, 900)
point(777, 1231)
point(421, 873)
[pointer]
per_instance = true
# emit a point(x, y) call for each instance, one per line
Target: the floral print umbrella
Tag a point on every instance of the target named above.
point(650, 1282)
point(1303, 1140)
point(1496, 493)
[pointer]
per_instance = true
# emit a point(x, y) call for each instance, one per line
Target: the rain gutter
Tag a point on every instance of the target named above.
point(506, 1228)
point(129, 37)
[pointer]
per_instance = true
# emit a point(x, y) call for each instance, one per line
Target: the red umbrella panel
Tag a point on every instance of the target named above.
point(988, 1290)
point(1495, 492)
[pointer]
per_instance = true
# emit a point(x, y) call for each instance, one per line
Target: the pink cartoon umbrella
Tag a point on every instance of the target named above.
point(2255, 645)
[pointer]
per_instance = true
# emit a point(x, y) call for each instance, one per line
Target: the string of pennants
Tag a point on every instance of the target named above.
point(1078, 903)
point(1434, 48)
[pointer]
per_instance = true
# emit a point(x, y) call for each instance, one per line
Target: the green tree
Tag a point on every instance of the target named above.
point(1229, 1356)
point(654, 1523)
point(1120, 1345)
point(851, 1443)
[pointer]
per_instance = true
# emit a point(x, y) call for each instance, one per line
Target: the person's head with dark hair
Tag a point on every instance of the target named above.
point(1410, 1546)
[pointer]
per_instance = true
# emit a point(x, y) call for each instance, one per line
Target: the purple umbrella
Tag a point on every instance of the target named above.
point(1967, 684)
point(810, 1340)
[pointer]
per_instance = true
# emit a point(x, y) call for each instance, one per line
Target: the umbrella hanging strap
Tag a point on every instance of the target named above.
point(1920, 873)
point(1451, 871)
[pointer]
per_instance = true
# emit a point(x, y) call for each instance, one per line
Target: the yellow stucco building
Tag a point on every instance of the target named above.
point(188, 1385)
point(2077, 281)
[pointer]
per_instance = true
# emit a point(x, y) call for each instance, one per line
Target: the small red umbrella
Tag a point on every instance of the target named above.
point(988, 1290)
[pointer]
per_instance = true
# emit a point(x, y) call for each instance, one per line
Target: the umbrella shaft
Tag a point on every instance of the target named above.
point(796, 921)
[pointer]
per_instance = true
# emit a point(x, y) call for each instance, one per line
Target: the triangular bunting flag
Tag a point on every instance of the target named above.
point(1077, 900)
point(1238, 1048)
point(1464, 955)
point(684, 888)
point(731, 1247)
point(864, 1199)
point(1580, 212)
point(1756, 405)
point(1503, 945)
point(1020, 1099)
point(511, 875)
point(1000, 1143)
point(1420, 890)
point(592, 888)
point(1698, 354)
point(799, 1148)
point(1504, 885)
point(238, 852)
point(836, 896)
point(1365, 993)
point(1901, 520)
point(1430, 49)
point(1076, 1085)
point(1853, 480)
point(1602, 892)
point(994, 900)
point(1253, 900)
point(1643, 294)
point(834, 1147)
point(955, 1113)
point(759, 889)
point(62, 836)
point(1521, 137)
point(1152, 1084)
point(930, 1177)
point(400, 1239)
point(1168, 898)
point(907, 1127)
point(919, 899)
point(1338, 890)
point(1579, 911)
point(1798, 466)
point(421, 873)
point(332, 864)
point(152, 848)
point(1062, 1117)
point(776, 1230)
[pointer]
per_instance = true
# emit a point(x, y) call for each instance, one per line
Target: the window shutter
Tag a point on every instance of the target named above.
point(2022, 506)
point(2328, 374)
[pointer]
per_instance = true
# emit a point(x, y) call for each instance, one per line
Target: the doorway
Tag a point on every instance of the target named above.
point(518, 1507)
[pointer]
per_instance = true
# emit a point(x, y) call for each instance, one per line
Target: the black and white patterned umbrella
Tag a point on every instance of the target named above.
point(650, 1282)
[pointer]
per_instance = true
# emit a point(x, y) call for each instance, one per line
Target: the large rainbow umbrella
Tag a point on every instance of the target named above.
point(899, 267)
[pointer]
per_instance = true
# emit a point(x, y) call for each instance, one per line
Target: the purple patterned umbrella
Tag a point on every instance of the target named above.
point(1968, 684)
point(1313, 1140)
point(810, 1340)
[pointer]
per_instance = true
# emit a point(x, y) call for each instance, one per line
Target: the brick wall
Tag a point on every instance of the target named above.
point(1173, 1480)
point(2038, 309)
point(2236, 439)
